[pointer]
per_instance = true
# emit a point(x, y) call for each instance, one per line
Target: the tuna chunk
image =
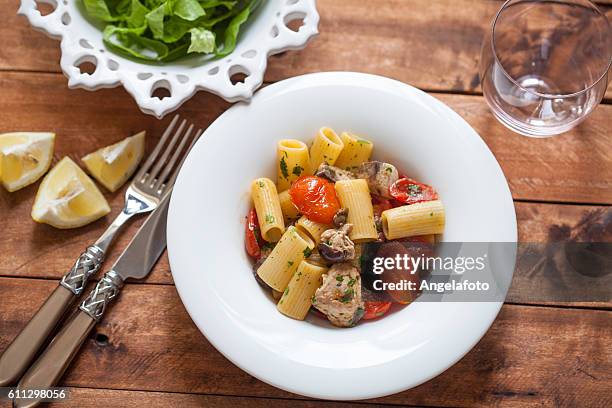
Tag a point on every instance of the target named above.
point(333, 174)
point(336, 246)
point(339, 297)
point(379, 175)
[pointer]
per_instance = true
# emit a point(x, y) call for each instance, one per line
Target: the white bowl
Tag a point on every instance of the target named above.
point(409, 128)
point(264, 35)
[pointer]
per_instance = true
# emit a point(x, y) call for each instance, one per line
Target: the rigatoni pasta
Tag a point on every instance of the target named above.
point(292, 161)
point(267, 205)
point(415, 219)
point(355, 152)
point(313, 229)
point(281, 264)
point(296, 299)
point(290, 211)
point(310, 234)
point(355, 196)
point(326, 148)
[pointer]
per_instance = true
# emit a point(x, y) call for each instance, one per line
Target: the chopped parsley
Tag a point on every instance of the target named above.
point(389, 170)
point(313, 299)
point(289, 263)
point(351, 282)
point(431, 214)
point(270, 219)
point(339, 278)
point(413, 189)
point(348, 295)
point(361, 141)
point(261, 184)
point(297, 170)
point(286, 291)
point(307, 252)
point(283, 168)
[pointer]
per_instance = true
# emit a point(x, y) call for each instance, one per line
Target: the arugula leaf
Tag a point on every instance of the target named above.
point(165, 30)
point(136, 18)
point(202, 40)
point(98, 9)
point(231, 33)
point(175, 29)
point(130, 41)
point(189, 10)
point(155, 21)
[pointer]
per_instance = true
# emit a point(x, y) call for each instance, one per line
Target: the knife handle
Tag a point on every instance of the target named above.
point(24, 347)
point(55, 359)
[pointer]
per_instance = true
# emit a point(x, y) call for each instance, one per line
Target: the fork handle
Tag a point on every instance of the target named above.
point(19, 354)
point(53, 362)
point(22, 350)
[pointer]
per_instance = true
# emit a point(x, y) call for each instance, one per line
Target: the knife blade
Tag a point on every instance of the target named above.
point(141, 254)
point(136, 261)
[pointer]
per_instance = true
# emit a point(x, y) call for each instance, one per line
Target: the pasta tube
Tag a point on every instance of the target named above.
point(290, 211)
point(355, 152)
point(297, 297)
point(313, 229)
point(292, 161)
point(414, 219)
point(281, 264)
point(355, 195)
point(326, 147)
point(267, 206)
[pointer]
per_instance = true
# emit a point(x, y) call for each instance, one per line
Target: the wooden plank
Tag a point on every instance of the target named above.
point(82, 125)
point(530, 356)
point(551, 169)
point(547, 169)
point(564, 271)
point(431, 44)
point(574, 167)
point(93, 398)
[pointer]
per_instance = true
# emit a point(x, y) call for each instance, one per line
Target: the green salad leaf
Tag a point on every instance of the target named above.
point(165, 30)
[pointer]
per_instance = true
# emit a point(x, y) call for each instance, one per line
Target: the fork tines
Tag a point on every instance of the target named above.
point(160, 169)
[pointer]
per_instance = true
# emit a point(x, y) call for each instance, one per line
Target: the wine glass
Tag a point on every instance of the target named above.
point(544, 64)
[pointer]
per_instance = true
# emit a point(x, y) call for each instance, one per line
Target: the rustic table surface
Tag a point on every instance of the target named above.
point(147, 351)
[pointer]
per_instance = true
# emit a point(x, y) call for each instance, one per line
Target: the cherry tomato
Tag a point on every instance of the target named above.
point(380, 204)
point(315, 197)
point(375, 309)
point(423, 239)
point(252, 235)
point(409, 191)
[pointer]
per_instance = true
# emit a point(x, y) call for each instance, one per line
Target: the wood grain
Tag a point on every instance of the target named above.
point(431, 44)
point(530, 356)
point(551, 169)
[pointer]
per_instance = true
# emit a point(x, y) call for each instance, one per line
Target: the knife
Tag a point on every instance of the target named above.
point(136, 262)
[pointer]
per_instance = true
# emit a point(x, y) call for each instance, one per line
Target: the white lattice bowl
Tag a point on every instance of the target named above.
point(264, 35)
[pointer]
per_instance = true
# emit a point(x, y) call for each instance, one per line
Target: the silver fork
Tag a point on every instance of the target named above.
point(153, 181)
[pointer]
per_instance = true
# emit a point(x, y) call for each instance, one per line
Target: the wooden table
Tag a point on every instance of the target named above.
point(147, 352)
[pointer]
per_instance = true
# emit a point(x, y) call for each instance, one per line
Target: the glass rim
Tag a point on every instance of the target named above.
point(545, 95)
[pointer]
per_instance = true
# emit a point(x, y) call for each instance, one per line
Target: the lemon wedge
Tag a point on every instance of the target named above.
point(113, 165)
point(68, 198)
point(24, 157)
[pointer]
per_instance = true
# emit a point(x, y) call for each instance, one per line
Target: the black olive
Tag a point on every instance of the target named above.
point(331, 254)
point(340, 217)
point(256, 266)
